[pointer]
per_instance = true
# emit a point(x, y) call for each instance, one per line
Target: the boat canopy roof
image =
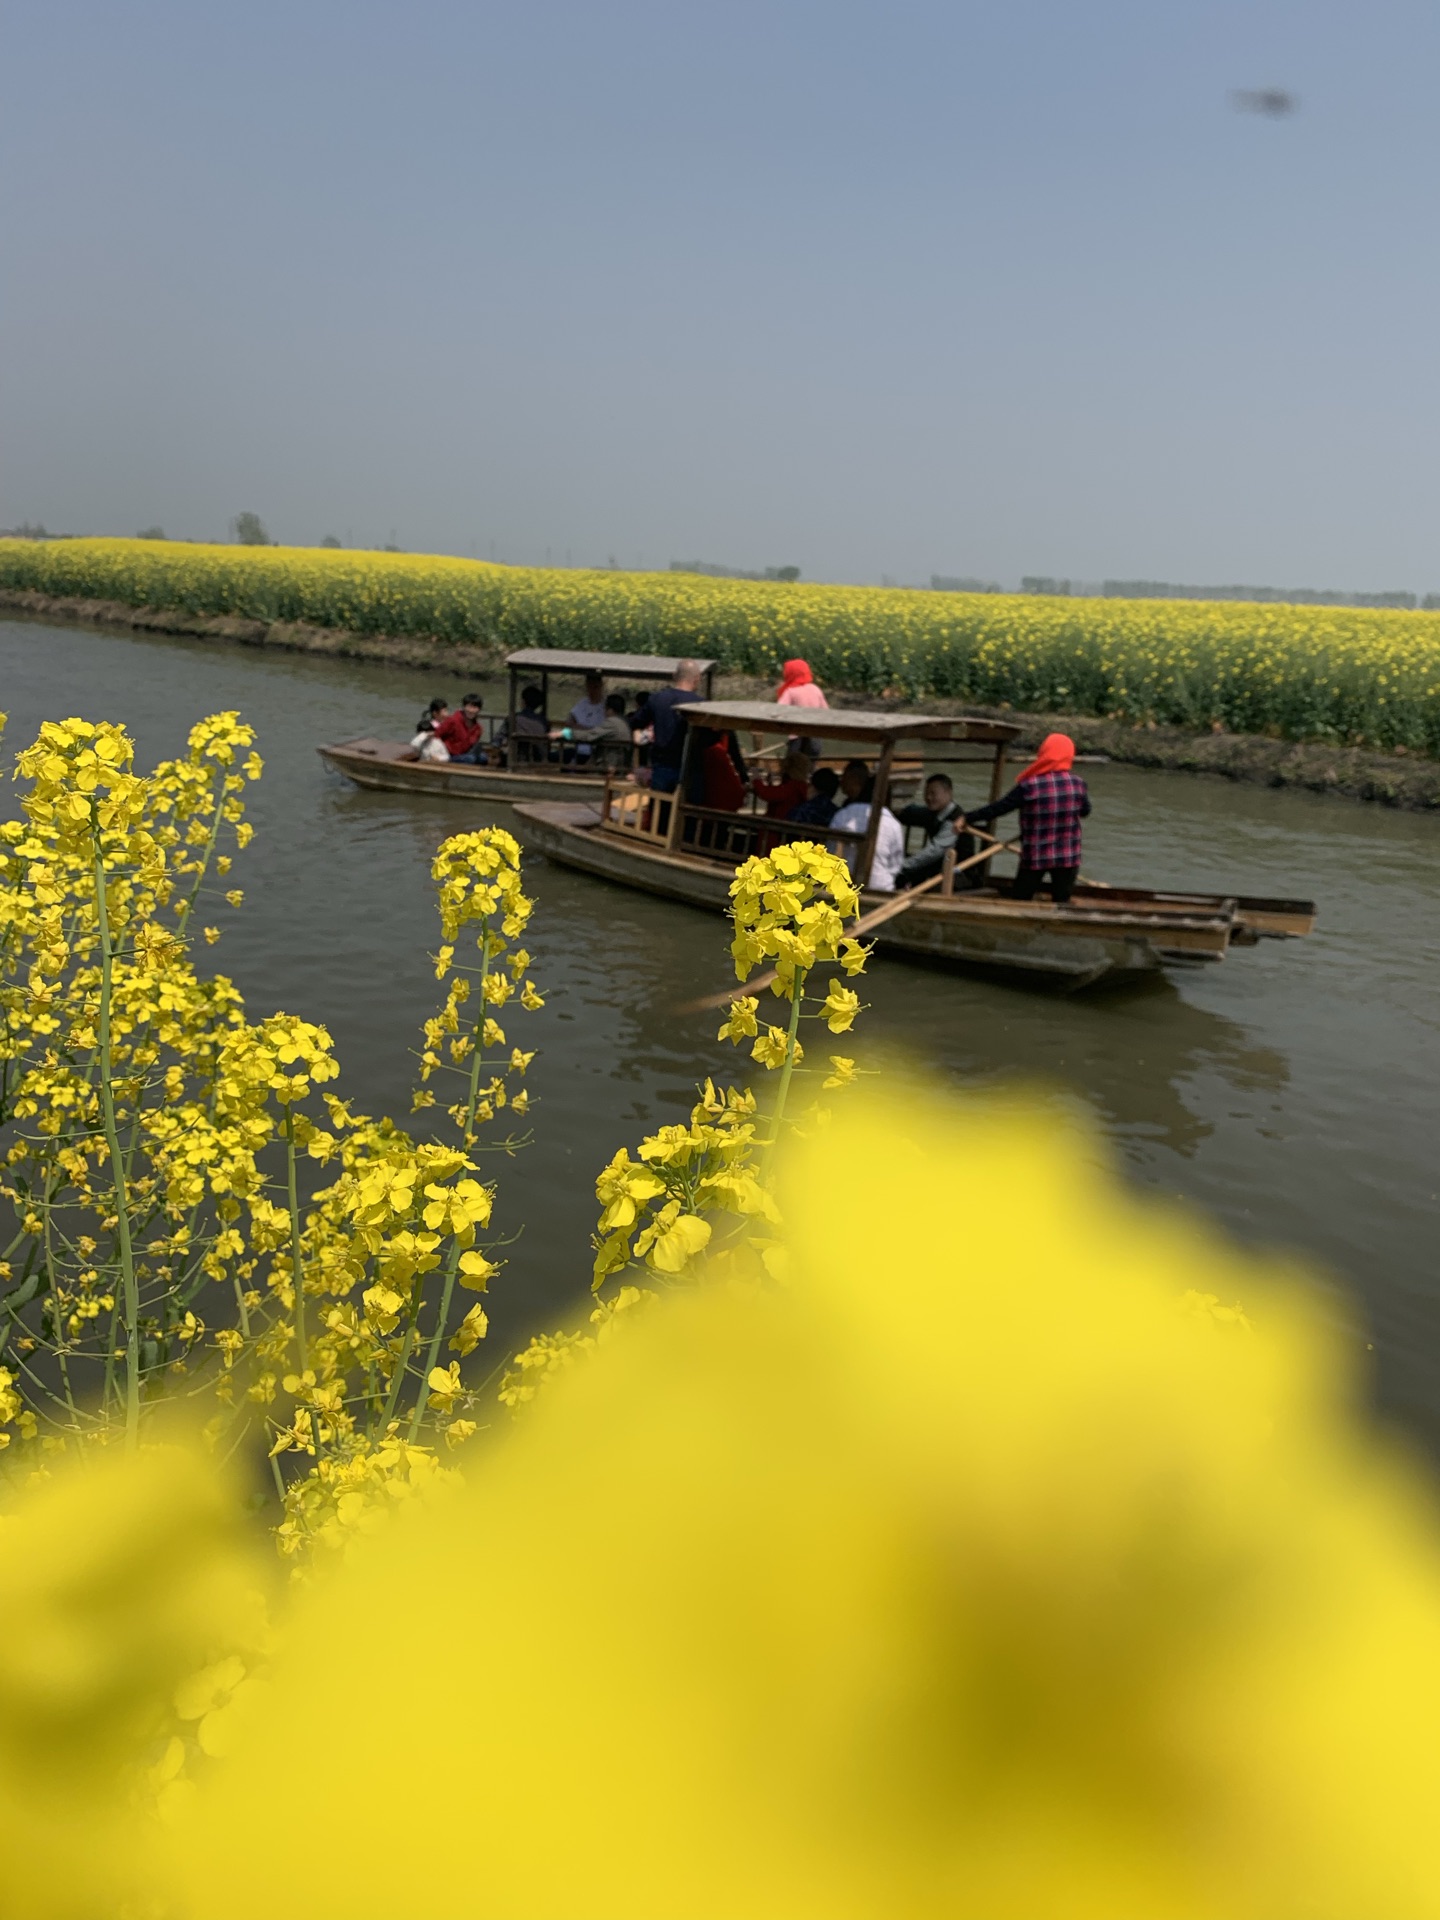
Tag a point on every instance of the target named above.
point(847, 723)
point(630, 666)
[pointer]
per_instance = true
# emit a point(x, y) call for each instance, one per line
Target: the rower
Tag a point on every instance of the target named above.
point(1053, 801)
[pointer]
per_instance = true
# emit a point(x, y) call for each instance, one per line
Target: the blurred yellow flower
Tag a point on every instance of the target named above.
point(968, 1573)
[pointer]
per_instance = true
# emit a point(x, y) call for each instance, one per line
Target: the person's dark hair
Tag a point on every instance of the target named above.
point(825, 780)
point(867, 792)
point(472, 700)
point(615, 703)
point(940, 780)
point(436, 706)
point(531, 697)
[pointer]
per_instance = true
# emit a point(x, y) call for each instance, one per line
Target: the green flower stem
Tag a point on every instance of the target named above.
point(130, 1288)
point(452, 1264)
point(296, 1279)
point(783, 1090)
point(187, 905)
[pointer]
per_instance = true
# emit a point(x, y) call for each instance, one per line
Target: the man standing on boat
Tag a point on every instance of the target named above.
point(661, 711)
point(1052, 801)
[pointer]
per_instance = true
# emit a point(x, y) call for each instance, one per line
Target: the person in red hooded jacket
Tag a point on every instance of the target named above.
point(797, 686)
point(1052, 801)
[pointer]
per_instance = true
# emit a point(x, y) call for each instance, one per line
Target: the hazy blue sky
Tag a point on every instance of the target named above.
point(891, 288)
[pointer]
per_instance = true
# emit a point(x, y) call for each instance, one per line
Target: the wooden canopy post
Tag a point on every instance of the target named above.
point(510, 726)
point(879, 795)
point(997, 787)
point(997, 772)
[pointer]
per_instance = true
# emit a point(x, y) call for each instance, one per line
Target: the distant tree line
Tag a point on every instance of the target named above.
point(714, 572)
point(1045, 583)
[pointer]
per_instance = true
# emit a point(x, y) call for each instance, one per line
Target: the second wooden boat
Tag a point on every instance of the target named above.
point(518, 767)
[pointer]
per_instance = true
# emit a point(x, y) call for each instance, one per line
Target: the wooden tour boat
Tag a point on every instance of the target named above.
point(520, 769)
point(667, 845)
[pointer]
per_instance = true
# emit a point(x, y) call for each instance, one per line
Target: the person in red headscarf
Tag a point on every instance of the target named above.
point(797, 686)
point(1053, 800)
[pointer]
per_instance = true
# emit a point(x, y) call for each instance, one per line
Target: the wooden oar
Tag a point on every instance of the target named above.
point(875, 917)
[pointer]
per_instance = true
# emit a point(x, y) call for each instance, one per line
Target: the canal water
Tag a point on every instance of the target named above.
point(1289, 1093)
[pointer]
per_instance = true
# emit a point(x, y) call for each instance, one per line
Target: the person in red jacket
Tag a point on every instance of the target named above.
point(782, 796)
point(460, 731)
point(724, 788)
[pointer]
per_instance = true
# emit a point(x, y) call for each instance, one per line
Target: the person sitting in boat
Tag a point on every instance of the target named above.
point(718, 774)
point(941, 819)
point(784, 795)
point(460, 732)
point(427, 744)
point(1053, 801)
point(818, 808)
point(858, 788)
point(608, 743)
point(532, 730)
point(590, 709)
point(661, 714)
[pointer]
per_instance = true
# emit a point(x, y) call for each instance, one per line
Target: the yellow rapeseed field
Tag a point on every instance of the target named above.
point(1341, 674)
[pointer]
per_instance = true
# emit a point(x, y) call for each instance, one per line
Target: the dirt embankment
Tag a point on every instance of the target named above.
point(1356, 773)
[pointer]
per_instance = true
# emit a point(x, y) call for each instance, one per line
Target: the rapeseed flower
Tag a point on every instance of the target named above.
point(973, 1571)
point(1352, 675)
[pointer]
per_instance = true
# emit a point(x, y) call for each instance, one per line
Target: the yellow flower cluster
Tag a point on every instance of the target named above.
point(1303, 672)
point(126, 1158)
point(141, 1109)
point(479, 885)
point(701, 1192)
point(660, 1209)
point(790, 907)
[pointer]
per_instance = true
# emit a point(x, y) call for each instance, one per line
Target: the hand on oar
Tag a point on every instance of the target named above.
point(874, 918)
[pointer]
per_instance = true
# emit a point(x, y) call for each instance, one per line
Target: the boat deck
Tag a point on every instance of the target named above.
point(1101, 931)
point(383, 764)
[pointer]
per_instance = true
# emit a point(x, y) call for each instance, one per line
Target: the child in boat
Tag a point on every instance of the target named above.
point(818, 810)
point(784, 795)
point(460, 732)
point(427, 744)
point(854, 817)
point(1052, 801)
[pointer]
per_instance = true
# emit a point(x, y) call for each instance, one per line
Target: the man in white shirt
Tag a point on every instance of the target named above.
point(854, 817)
point(589, 710)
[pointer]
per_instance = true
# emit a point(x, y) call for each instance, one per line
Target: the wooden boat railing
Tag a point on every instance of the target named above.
point(668, 821)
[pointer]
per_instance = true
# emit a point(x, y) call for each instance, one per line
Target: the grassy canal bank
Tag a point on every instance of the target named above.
point(1330, 699)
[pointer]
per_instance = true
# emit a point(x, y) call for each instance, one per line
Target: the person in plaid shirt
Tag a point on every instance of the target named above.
point(1052, 802)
